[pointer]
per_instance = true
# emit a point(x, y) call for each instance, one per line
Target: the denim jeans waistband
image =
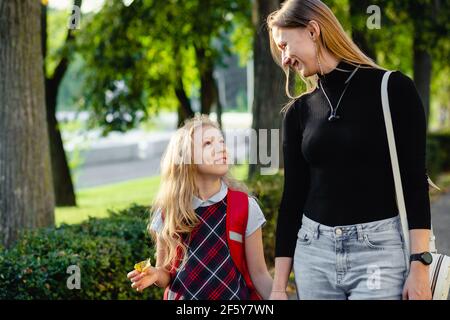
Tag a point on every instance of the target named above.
point(354, 229)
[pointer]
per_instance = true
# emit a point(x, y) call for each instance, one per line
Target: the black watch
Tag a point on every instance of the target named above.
point(425, 257)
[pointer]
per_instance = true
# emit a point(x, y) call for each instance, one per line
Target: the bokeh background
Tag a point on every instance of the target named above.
point(91, 91)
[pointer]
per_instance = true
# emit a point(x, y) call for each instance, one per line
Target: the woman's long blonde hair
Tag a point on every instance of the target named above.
point(177, 189)
point(298, 13)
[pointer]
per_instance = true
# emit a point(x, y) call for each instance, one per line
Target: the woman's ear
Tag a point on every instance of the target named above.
point(313, 29)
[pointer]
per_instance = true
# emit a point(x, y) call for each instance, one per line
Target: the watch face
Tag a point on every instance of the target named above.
point(427, 258)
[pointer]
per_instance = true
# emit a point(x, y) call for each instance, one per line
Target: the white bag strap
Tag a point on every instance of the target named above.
point(394, 159)
point(395, 166)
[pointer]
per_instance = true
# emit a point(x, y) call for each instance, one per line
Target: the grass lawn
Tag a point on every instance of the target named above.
point(95, 201)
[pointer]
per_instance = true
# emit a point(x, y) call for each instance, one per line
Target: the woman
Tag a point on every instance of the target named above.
point(338, 224)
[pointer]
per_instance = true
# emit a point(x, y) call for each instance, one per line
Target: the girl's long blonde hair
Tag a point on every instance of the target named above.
point(178, 187)
point(298, 13)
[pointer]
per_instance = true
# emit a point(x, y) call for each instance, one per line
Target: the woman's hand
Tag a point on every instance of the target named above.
point(144, 279)
point(278, 295)
point(417, 285)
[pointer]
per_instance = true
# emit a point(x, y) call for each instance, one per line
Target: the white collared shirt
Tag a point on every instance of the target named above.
point(256, 217)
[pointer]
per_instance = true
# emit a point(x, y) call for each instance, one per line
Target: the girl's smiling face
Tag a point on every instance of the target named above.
point(210, 153)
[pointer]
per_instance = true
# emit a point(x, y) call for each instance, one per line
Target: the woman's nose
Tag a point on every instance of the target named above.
point(285, 60)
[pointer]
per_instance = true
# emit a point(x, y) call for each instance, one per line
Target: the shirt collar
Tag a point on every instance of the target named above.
point(197, 202)
point(335, 76)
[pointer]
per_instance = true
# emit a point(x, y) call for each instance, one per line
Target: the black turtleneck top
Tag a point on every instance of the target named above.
point(339, 173)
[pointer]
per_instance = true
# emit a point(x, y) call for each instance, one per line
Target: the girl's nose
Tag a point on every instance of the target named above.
point(222, 148)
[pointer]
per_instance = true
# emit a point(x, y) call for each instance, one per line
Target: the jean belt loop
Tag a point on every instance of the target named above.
point(359, 229)
point(317, 231)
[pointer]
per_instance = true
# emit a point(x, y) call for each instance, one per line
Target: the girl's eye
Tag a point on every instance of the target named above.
point(207, 143)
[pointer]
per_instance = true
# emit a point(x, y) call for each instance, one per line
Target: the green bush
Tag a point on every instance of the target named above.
point(105, 250)
point(268, 189)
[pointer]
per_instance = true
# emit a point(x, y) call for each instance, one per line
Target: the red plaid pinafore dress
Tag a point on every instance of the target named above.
point(209, 272)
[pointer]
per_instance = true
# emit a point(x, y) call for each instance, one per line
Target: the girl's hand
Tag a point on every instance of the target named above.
point(278, 295)
point(144, 279)
point(417, 285)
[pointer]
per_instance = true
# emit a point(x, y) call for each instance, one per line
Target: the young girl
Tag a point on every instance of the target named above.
point(200, 254)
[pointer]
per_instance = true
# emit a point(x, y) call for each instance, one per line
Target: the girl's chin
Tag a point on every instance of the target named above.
point(213, 169)
point(221, 169)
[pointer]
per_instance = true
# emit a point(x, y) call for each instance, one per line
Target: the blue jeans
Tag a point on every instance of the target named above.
point(361, 261)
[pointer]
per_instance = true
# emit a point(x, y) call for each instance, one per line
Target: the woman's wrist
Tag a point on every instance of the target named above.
point(281, 276)
point(279, 284)
point(417, 266)
point(279, 287)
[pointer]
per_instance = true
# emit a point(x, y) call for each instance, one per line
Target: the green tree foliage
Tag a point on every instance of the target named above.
point(152, 55)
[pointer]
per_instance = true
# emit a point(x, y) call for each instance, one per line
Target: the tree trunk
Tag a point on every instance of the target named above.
point(184, 107)
point(424, 15)
point(360, 34)
point(205, 67)
point(219, 107)
point(62, 179)
point(26, 188)
point(422, 77)
point(207, 90)
point(269, 94)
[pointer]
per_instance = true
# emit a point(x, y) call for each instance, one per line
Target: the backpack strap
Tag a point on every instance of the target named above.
point(236, 225)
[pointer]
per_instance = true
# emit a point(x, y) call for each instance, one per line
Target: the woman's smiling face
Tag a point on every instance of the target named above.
point(297, 49)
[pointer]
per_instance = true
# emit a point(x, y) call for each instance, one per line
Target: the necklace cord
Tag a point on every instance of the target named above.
point(347, 82)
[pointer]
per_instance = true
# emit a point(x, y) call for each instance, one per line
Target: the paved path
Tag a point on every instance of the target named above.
point(114, 172)
point(440, 215)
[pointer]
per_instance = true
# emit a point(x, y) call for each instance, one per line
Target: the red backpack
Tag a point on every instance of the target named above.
point(236, 224)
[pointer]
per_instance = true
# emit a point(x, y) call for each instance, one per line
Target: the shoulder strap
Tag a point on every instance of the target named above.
point(394, 159)
point(395, 166)
point(236, 225)
point(237, 214)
